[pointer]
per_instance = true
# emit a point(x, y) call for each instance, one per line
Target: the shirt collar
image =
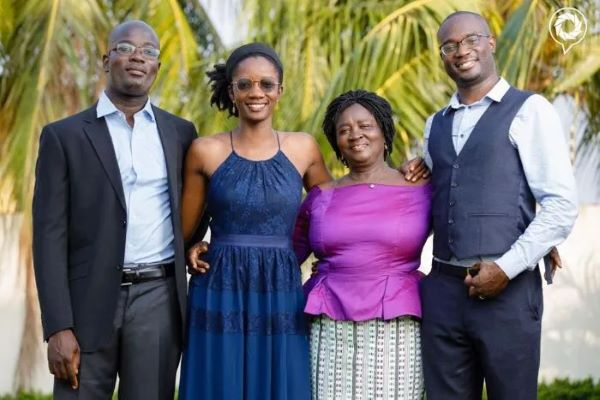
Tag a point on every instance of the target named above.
point(495, 94)
point(106, 107)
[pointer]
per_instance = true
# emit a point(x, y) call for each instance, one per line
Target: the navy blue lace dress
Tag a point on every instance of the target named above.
point(247, 335)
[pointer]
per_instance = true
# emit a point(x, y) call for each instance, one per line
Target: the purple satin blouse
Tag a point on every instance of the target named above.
point(368, 239)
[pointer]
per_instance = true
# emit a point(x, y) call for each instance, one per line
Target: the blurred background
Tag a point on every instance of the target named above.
point(50, 67)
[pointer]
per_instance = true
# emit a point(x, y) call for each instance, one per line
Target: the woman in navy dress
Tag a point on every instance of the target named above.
point(247, 337)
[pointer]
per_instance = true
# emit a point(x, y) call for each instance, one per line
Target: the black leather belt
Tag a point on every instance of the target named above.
point(145, 273)
point(449, 269)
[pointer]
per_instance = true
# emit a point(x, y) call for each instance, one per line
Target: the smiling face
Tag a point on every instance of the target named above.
point(359, 137)
point(468, 67)
point(255, 103)
point(131, 75)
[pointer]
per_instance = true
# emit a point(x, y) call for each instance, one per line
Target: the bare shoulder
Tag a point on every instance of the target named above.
point(299, 142)
point(208, 152)
point(297, 137)
point(205, 145)
point(301, 149)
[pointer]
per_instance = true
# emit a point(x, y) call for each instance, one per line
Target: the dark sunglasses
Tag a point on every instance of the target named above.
point(266, 85)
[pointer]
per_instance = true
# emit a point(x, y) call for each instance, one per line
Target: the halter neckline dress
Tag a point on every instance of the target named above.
point(247, 335)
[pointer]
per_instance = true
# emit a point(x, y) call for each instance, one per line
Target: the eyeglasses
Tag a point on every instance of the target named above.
point(127, 49)
point(245, 84)
point(468, 42)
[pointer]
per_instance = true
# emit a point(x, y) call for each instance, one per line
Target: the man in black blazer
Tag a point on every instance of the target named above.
point(108, 250)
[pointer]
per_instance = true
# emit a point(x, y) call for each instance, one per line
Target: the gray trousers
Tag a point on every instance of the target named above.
point(144, 351)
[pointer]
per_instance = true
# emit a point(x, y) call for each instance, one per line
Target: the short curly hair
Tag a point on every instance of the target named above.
point(375, 104)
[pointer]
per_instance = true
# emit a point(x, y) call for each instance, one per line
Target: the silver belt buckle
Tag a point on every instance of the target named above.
point(125, 284)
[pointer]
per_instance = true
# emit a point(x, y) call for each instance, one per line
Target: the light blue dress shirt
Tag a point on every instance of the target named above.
point(536, 133)
point(143, 171)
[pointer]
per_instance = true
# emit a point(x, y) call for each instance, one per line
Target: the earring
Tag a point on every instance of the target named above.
point(385, 151)
point(343, 160)
point(234, 109)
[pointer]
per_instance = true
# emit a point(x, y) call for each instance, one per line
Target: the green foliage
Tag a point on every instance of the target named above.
point(50, 62)
point(559, 389)
point(565, 389)
point(51, 67)
point(329, 47)
point(27, 396)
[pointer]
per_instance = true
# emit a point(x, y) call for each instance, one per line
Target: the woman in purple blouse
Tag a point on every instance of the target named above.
point(367, 230)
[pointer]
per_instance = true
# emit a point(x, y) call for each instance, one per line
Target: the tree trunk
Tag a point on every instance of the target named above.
point(30, 352)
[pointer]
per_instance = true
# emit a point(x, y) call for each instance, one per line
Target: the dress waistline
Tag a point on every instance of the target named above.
point(281, 242)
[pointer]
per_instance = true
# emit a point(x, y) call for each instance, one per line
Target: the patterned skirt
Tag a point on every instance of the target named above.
point(373, 359)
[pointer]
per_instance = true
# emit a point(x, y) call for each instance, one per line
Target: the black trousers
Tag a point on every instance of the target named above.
point(466, 341)
point(144, 351)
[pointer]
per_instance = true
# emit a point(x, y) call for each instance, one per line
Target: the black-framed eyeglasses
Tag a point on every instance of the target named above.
point(266, 85)
point(127, 49)
point(469, 42)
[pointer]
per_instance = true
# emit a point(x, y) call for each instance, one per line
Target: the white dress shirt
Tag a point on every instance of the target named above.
point(536, 133)
point(139, 151)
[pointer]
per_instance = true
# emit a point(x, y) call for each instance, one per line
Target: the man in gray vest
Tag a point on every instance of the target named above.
point(494, 152)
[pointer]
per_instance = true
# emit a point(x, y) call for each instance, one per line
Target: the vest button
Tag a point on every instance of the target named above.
point(450, 240)
point(452, 203)
point(450, 221)
point(124, 222)
point(455, 166)
point(119, 267)
point(454, 184)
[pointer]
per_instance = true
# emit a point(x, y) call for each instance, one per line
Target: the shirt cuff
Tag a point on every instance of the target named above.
point(511, 264)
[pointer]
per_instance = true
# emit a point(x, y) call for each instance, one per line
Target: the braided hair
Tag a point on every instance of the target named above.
point(376, 105)
point(220, 77)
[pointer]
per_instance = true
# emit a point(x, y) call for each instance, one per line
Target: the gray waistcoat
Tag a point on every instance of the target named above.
point(481, 201)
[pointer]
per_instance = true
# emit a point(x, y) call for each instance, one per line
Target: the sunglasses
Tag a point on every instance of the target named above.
point(266, 85)
point(127, 49)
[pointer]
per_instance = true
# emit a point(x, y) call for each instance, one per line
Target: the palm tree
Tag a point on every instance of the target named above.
point(390, 47)
point(49, 68)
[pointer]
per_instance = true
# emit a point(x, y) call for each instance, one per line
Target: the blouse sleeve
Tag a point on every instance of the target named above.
point(301, 239)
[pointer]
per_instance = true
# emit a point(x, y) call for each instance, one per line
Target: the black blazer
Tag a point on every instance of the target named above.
point(79, 222)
